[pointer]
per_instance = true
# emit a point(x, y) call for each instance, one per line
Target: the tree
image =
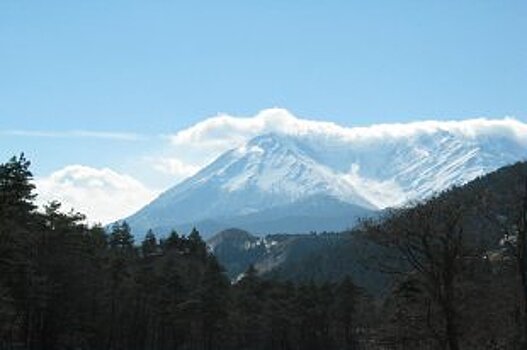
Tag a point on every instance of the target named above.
point(18, 224)
point(121, 237)
point(345, 311)
point(212, 294)
point(426, 245)
point(521, 253)
point(247, 303)
point(149, 244)
point(16, 220)
point(16, 189)
point(196, 244)
point(505, 208)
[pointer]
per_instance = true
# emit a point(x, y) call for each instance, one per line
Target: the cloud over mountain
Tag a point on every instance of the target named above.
point(228, 131)
point(275, 160)
point(105, 195)
point(202, 142)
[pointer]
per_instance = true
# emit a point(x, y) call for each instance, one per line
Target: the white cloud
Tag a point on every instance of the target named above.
point(109, 135)
point(227, 131)
point(105, 195)
point(224, 131)
point(102, 194)
point(174, 167)
point(201, 143)
point(381, 194)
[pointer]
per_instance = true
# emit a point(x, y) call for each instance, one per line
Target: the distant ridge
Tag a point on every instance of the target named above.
point(333, 256)
point(324, 177)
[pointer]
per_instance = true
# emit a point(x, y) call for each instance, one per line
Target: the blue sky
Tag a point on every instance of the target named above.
point(70, 69)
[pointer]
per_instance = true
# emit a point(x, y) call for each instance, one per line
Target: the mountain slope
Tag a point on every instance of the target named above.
point(271, 174)
point(333, 256)
point(316, 213)
point(313, 257)
point(270, 183)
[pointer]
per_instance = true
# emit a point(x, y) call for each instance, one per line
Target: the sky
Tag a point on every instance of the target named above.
point(96, 92)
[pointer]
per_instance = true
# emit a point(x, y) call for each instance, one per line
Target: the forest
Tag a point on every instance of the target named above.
point(457, 266)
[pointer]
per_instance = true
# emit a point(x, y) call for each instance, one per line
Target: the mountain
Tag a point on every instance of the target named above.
point(303, 181)
point(333, 256)
point(301, 257)
point(238, 249)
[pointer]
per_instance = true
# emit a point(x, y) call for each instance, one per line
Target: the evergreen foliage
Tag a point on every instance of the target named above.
point(64, 285)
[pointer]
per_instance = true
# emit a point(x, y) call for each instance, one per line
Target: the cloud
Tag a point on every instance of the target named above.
point(174, 167)
point(206, 140)
point(105, 195)
point(202, 142)
point(108, 135)
point(225, 131)
point(381, 194)
point(228, 131)
point(102, 194)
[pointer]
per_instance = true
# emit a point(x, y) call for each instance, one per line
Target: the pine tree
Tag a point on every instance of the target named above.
point(196, 244)
point(18, 240)
point(213, 296)
point(16, 189)
point(121, 237)
point(149, 244)
point(246, 316)
point(345, 310)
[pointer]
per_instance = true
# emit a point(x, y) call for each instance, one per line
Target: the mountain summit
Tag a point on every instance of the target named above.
point(273, 182)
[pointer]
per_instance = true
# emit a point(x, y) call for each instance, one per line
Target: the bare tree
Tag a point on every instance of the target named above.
point(425, 244)
point(521, 257)
point(505, 208)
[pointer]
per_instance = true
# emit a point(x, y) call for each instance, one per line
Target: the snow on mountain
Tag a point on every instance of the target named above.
point(372, 168)
point(393, 171)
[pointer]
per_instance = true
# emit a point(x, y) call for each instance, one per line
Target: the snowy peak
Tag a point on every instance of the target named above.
point(391, 168)
point(281, 166)
point(369, 168)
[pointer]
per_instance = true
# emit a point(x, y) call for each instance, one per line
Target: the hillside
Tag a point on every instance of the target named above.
point(332, 256)
point(324, 177)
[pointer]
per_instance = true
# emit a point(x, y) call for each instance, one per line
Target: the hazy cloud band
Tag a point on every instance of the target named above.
point(108, 135)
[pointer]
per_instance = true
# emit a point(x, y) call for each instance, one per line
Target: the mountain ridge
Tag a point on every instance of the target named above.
point(276, 170)
point(332, 256)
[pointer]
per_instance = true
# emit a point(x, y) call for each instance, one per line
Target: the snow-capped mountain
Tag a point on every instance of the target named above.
point(360, 171)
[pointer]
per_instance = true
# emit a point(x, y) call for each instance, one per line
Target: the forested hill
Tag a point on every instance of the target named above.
point(332, 256)
point(64, 285)
point(318, 257)
point(454, 266)
point(458, 262)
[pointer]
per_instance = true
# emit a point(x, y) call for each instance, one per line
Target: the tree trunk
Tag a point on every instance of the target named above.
point(522, 264)
point(451, 332)
point(449, 310)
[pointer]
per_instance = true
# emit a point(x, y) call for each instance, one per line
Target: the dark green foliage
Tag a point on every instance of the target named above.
point(319, 257)
point(149, 244)
point(458, 276)
point(121, 237)
point(455, 262)
point(16, 189)
point(64, 285)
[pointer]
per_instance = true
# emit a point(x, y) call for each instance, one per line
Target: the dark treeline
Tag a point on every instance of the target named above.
point(458, 267)
point(64, 285)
